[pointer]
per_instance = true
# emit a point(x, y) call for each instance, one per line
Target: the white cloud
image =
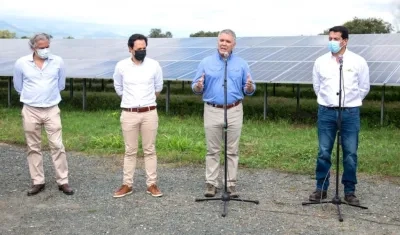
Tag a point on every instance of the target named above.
point(247, 18)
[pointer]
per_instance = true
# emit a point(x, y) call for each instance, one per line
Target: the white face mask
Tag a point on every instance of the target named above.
point(43, 53)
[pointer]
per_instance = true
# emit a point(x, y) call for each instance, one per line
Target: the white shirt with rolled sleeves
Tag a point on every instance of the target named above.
point(39, 87)
point(137, 84)
point(355, 80)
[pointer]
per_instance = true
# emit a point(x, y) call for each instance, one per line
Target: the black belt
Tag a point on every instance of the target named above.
point(335, 108)
point(227, 106)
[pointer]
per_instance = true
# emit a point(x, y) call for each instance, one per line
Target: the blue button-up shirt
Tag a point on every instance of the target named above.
point(39, 87)
point(214, 69)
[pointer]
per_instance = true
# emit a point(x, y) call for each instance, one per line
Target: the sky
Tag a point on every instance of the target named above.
point(245, 17)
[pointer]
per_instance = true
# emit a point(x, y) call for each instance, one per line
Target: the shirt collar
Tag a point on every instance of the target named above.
point(220, 57)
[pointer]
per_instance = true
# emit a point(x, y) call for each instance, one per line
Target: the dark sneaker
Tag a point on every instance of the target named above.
point(232, 192)
point(352, 199)
point(123, 191)
point(35, 189)
point(154, 191)
point(317, 196)
point(210, 190)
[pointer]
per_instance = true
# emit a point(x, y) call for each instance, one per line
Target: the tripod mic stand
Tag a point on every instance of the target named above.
point(225, 197)
point(336, 199)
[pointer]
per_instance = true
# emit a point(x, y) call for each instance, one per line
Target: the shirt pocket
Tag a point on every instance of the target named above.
point(215, 71)
point(235, 74)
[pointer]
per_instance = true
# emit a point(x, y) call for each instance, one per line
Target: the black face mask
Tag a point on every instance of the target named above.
point(139, 55)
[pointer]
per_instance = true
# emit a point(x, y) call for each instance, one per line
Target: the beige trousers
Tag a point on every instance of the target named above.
point(145, 123)
point(33, 120)
point(214, 130)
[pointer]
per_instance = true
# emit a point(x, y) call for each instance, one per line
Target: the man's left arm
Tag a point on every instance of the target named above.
point(61, 76)
point(158, 81)
point(249, 87)
point(363, 80)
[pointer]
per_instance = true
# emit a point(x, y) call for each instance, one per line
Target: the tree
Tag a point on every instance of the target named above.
point(24, 37)
point(205, 34)
point(69, 37)
point(366, 26)
point(157, 33)
point(7, 34)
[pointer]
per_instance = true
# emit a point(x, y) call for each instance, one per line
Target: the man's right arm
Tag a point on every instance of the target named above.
point(200, 70)
point(118, 83)
point(18, 77)
point(315, 78)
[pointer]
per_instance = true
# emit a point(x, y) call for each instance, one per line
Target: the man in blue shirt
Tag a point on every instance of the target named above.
point(38, 78)
point(209, 81)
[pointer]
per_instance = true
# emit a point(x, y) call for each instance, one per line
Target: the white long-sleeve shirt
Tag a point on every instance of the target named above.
point(355, 80)
point(137, 84)
point(39, 87)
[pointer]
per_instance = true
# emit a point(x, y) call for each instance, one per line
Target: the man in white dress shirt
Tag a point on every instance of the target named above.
point(355, 87)
point(39, 78)
point(138, 80)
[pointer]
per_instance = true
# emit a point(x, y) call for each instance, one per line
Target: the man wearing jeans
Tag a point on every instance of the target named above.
point(355, 87)
point(138, 80)
point(209, 82)
point(39, 78)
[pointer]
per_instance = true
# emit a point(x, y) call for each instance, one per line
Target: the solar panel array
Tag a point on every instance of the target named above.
point(271, 59)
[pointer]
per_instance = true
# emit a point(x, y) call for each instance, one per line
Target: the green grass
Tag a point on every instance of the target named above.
point(286, 141)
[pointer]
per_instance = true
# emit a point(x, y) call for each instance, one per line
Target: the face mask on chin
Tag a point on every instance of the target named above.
point(140, 55)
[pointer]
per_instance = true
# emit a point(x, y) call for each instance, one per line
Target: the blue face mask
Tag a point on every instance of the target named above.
point(334, 46)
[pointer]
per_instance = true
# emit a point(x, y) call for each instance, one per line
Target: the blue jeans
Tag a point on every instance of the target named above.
point(327, 127)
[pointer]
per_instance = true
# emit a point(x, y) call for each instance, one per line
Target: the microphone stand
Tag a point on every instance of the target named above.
point(225, 197)
point(336, 199)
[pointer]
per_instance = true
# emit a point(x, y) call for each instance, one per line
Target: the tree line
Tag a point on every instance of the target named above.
point(355, 26)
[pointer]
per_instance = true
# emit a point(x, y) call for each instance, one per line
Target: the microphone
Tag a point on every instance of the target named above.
point(225, 55)
point(340, 57)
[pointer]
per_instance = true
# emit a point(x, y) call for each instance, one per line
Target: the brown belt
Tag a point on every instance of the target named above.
point(227, 106)
point(140, 110)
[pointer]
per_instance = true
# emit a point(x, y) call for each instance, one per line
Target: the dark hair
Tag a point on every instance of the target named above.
point(343, 30)
point(135, 37)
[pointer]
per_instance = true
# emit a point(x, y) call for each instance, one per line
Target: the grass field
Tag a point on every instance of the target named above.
point(285, 141)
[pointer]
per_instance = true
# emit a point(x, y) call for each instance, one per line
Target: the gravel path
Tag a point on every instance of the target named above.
point(93, 210)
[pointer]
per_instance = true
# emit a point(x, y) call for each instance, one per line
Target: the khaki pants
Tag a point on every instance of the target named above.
point(214, 124)
point(33, 120)
point(145, 123)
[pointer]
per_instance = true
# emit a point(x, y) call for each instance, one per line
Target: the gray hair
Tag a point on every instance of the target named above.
point(228, 31)
point(38, 37)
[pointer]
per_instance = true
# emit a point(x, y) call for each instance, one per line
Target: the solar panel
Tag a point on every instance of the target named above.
point(271, 59)
point(179, 53)
point(179, 69)
point(201, 55)
point(382, 53)
point(267, 71)
point(6, 67)
point(381, 71)
point(248, 41)
point(293, 54)
point(281, 41)
point(394, 79)
point(256, 54)
point(300, 73)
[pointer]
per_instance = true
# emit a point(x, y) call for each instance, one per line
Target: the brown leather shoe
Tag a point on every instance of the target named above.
point(317, 195)
point(35, 189)
point(232, 192)
point(351, 199)
point(123, 191)
point(66, 189)
point(154, 191)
